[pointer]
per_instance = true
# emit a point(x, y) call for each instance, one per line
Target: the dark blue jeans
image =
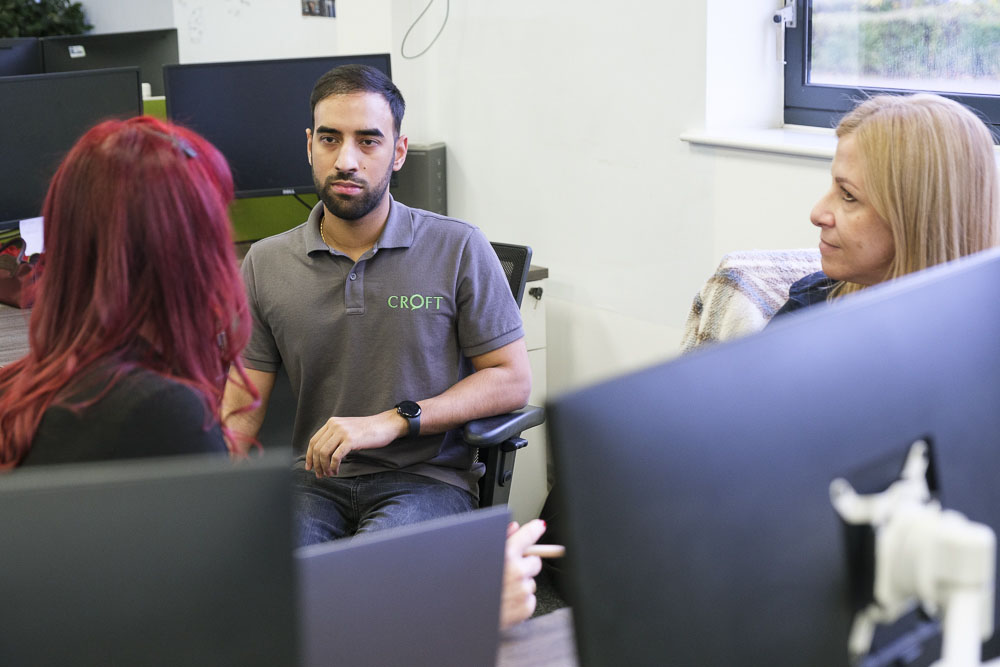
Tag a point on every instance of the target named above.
point(331, 507)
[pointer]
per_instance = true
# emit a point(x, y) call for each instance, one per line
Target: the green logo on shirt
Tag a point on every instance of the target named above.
point(415, 302)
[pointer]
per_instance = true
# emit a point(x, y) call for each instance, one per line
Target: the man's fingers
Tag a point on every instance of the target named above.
point(335, 461)
point(331, 462)
point(317, 462)
point(321, 447)
point(309, 453)
point(312, 455)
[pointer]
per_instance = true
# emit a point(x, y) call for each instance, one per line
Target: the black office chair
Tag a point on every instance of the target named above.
point(496, 438)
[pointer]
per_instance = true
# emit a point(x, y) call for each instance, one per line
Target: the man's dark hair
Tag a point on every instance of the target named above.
point(348, 79)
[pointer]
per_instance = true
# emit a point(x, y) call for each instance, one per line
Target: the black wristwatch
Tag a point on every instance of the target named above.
point(411, 413)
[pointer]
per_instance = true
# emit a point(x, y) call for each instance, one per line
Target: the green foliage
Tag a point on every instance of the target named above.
point(41, 18)
point(876, 5)
point(921, 41)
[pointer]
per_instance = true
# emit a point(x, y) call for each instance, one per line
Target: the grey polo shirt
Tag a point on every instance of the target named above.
point(399, 324)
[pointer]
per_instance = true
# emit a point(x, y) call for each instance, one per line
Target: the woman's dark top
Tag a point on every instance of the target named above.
point(143, 414)
point(804, 292)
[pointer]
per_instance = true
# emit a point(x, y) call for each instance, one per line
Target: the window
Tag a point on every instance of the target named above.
point(842, 50)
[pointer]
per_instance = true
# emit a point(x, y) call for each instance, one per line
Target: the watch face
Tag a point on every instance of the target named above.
point(408, 409)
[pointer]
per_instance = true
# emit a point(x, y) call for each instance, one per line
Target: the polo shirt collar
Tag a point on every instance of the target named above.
point(314, 241)
point(398, 231)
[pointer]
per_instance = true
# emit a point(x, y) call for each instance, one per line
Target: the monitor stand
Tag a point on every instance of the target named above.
point(924, 555)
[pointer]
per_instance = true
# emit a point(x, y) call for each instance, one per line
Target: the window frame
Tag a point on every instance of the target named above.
point(824, 105)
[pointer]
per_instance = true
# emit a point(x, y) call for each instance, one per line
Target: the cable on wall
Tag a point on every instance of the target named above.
point(402, 47)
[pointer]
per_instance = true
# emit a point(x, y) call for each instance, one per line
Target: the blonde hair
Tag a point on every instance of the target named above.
point(931, 174)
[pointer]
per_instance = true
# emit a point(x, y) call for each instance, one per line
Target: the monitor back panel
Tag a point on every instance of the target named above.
point(20, 55)
point(174, 561)
point(696, 492)
point(426, 594)
point(52, 112)
point(149, 50)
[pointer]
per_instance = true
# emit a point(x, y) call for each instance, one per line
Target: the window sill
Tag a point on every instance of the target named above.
point(795, 140)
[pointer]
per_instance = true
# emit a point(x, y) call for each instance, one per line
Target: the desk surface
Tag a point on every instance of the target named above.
point(13, 334)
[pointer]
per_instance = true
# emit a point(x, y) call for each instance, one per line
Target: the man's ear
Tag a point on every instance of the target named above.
point(309, 146)
point(402, 143)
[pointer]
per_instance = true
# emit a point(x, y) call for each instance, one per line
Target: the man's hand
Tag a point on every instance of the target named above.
point(342, 435)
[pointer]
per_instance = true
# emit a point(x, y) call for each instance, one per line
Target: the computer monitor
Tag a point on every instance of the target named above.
point(171, 561)
point(406, 595)
point(149, 50)
point(44, 115)
point(20, 55)
point(696, 493)
point(256, 113)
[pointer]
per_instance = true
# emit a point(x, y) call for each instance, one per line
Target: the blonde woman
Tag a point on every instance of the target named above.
point(914, 184)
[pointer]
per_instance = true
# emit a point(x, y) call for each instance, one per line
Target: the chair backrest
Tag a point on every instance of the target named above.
point(515, 260)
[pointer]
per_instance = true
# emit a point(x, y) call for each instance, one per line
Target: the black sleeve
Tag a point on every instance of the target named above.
point(170, 420)
point(144, 414)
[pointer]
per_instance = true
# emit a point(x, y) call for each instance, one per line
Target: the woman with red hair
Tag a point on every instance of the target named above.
point(140, 310)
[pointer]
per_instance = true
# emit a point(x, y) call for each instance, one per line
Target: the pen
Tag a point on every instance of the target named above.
point(546, 550)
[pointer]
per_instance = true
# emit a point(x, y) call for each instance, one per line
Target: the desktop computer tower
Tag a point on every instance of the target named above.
point(423, 182)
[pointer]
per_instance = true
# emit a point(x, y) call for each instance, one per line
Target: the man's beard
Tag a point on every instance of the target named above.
point(351, 208)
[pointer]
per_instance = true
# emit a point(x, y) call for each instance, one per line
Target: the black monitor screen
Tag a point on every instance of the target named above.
point(44, 115)
point(173, 561)
point(149, 50)
point(20, 55)
point(256, 113)
point(697, 492)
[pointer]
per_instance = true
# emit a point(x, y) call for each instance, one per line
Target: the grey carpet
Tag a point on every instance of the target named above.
point(546, 594)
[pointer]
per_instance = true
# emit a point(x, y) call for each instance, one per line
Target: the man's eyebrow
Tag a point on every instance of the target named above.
point(367, 132)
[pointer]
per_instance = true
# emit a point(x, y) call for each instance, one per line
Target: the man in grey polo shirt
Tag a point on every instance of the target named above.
point(395, 325)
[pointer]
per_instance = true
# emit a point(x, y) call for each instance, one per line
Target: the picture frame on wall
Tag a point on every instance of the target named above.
point(327, 8)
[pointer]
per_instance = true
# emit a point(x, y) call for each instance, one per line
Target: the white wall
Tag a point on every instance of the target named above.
point(124, 16)
point(755, 79)
point(363, 26)
point(562, 121)
point(221, 30)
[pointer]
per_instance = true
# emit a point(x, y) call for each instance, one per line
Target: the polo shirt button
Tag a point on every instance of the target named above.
point(354, 276)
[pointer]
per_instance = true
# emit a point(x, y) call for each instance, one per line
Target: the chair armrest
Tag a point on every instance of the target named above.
point(491, 431)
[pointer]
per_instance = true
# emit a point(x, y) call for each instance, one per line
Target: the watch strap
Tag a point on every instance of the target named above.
point(410, 411)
